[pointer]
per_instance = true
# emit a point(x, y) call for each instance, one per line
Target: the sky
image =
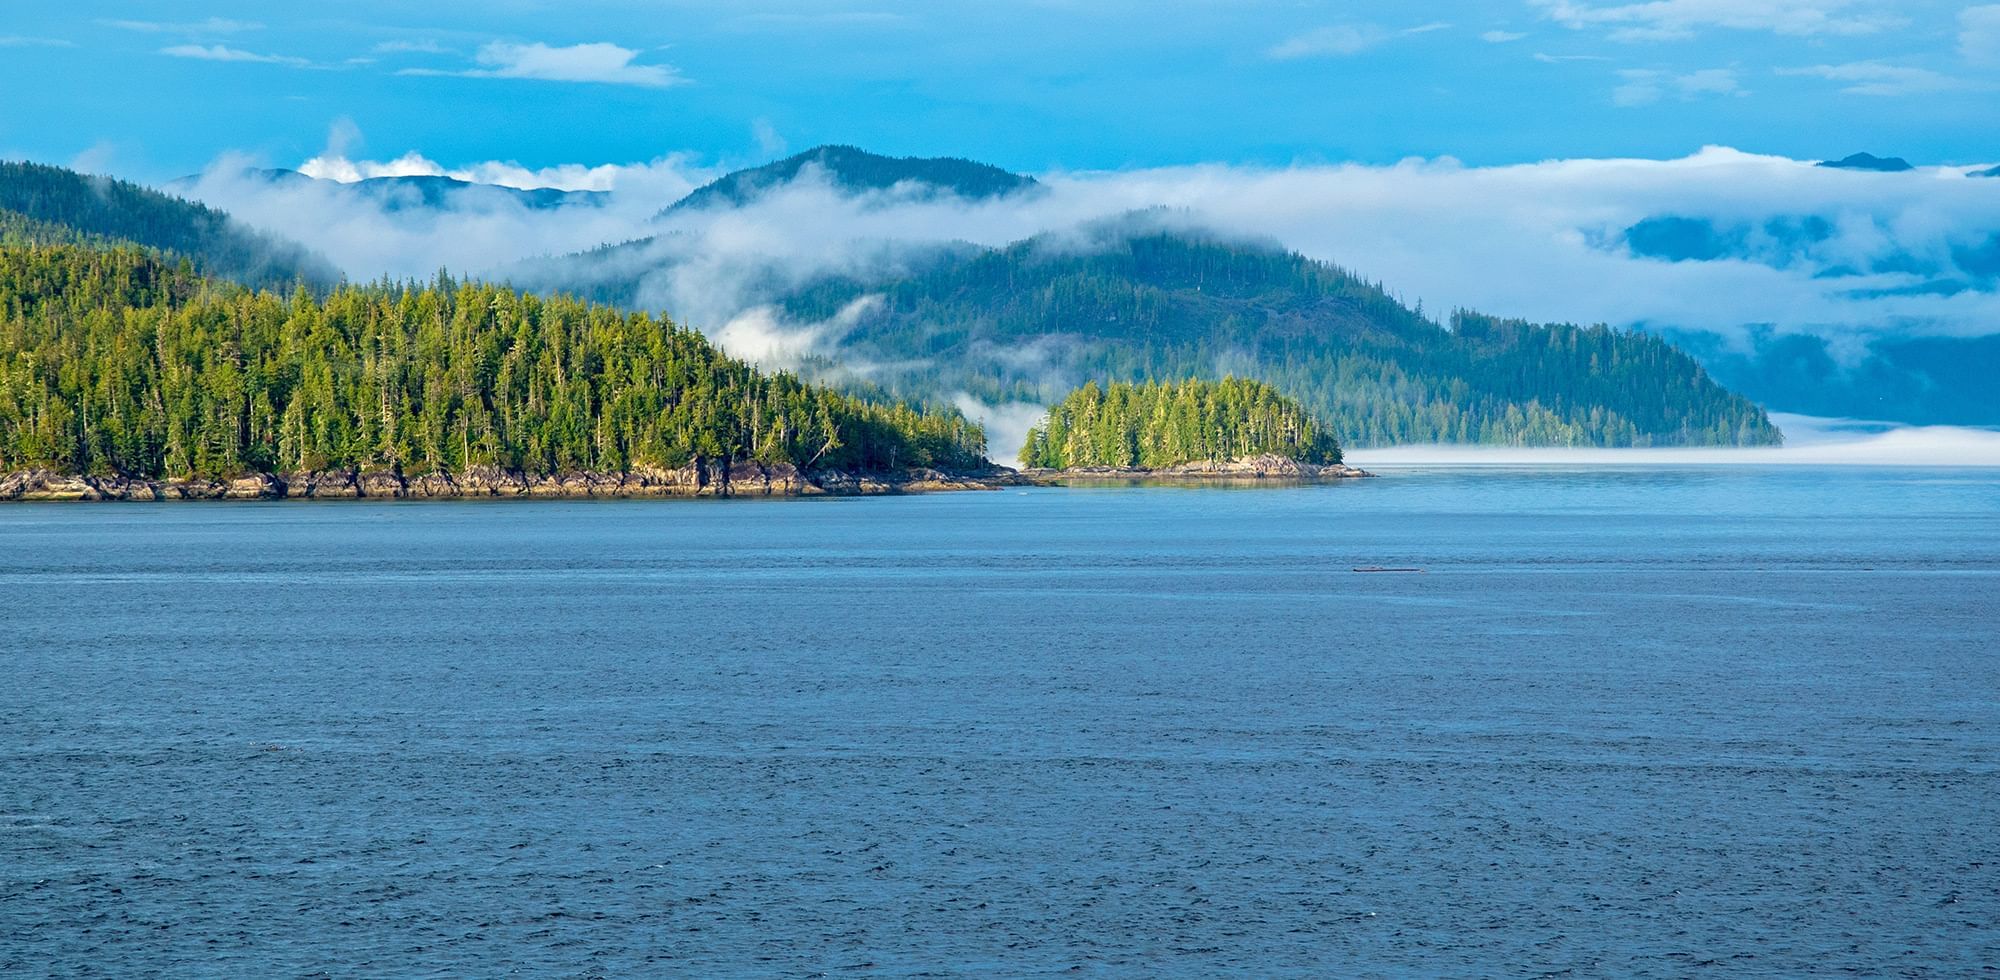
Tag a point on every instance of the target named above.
point(156, 90)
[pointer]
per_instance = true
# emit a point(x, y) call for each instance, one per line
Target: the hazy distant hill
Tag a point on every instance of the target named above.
point(419, 191)
point(1869, 161)
point(1133, 300)
point(855, 170)
point(1028, 321)
point(52, 205)
point(1921, 380)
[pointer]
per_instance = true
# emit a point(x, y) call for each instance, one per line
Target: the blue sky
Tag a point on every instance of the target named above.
point(154, 90)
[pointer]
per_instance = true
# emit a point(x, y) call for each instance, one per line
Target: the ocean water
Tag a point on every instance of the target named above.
point(1727, 720)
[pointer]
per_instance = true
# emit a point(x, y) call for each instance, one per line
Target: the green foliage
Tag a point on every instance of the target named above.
point(1156, 425)
point(114, 361)
point(1030, 321)
point(51, 205)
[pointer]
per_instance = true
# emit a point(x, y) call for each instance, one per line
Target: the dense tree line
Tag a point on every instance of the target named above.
point(1155, 425)
point(1031, 321)
point(49, 205)
point(116, 361)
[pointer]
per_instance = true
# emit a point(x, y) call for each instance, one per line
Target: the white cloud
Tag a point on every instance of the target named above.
point(1501, 37)
point(411, 47)
point(217, 52)
point(21, 41)
point(1808, 442)
point(1662, 20)
point(1540, 241)
point(213, 25)
point(601, 62)
point(1979, 34)
point(1557, 59)
point(1647, 86)
point(504, 173)
point(1335, 41)
point(1876, 78)
point(480, 230)
point(770, 142)
point(1342, 40)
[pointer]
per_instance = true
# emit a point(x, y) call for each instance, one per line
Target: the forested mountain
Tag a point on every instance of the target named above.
point(45, 204)
point(1157, 425)
point(116, 362)
point(1028, 322)
point(417, 191)
point(853, 170)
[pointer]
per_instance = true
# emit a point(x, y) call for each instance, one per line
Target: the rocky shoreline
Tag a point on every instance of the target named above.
point(1267, 467)
point(714, 480)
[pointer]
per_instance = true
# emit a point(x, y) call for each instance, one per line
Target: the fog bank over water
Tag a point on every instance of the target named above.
point(1808, 441)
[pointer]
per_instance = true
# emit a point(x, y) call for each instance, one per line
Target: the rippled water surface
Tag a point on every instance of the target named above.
point(1625, 722)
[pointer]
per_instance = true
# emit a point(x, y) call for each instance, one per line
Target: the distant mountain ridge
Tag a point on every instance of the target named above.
point(417, 190)
point(1151, 302)
point(1141, 298)
point(855, 170)
point(43, 204)
point(1869, 161)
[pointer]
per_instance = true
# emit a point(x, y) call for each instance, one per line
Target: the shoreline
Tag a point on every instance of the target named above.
point(709, 481)
point(1248, 469)
point(481, 483)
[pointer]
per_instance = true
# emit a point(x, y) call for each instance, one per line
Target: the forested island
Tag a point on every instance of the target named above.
point(1232, 428)
point(124, 374)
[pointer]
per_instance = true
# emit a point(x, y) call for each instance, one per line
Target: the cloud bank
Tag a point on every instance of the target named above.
point(600, 62)
point(1908, 254)
point(1810, 442)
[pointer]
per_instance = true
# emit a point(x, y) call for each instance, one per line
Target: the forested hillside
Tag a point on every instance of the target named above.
point(1028, 322)
point(116, 362)
point(1157, 425)
point(51, 205)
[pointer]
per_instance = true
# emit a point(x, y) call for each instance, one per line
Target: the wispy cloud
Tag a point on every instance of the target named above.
point(213, 25)
point(1979, 34)
point(1501, 37)
point(1559, 59)
point(1338, 40)
point(1647, 86)
point(1670, 20)
point(1877, 78)
point(218, 52)
point(1343, 40)
point(411, 47)
point(20, 41)
point(602, 63)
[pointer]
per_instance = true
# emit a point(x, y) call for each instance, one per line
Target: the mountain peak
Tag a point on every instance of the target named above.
point(1869, 161)
point(853, 169)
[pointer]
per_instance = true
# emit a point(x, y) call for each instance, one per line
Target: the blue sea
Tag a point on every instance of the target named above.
point(1722, 720)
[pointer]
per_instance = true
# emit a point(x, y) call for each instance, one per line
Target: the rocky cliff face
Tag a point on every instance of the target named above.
point(713, 480)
